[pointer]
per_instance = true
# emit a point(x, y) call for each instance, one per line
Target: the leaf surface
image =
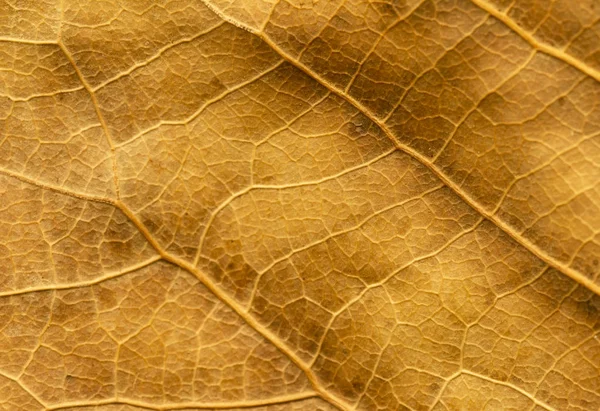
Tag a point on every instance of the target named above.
point(300, 205)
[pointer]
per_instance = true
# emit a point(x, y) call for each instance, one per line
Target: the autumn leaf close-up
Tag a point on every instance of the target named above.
point(289, 205)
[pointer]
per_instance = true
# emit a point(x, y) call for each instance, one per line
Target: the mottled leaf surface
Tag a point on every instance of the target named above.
point(300, 205)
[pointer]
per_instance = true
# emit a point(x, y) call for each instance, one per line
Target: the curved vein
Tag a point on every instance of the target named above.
point(527, 244)
point(545, 48)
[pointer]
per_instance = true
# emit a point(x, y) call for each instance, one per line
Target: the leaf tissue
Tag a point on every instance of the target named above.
point(284, 205)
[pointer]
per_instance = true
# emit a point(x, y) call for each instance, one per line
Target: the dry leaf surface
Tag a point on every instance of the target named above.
point(299, 205)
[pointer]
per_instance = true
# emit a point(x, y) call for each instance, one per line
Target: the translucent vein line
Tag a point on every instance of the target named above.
point(284, 399)
point(184, 405)
point(203, 107)
point(340, 233)
point(42, 95)
point(56, 189)
point(203, 278)
point(545, 48)
point(509, 385)
point(95, 281)
point(26, 41)
point(534, 249)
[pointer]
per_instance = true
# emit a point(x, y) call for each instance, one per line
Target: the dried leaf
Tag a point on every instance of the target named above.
point(293, 205)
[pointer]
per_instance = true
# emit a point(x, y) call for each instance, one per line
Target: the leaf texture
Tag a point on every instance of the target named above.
point(292, 205)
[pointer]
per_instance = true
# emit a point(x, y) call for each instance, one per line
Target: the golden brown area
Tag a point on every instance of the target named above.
point(300, 205)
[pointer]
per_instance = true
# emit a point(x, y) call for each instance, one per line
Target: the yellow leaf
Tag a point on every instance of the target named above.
point(300, 205)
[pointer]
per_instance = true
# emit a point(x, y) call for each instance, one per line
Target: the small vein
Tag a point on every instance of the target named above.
point(443, 388)
point(336, 234)
point(282, 187)
point(476, 107)
point(98, 113)
point(156, 56)
point(56, 189)
point(545, 48)
point(268, 18)
point(320, 32)
point(203, 107)
point(26, 41)
point(431, 67)
point(23, 387)
point(42, 95)
point(542, 166)
point(387, 278)
point(284, 399)
point(369, 53)
point(237, 308)
point(509, 385)
point(527, 244)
